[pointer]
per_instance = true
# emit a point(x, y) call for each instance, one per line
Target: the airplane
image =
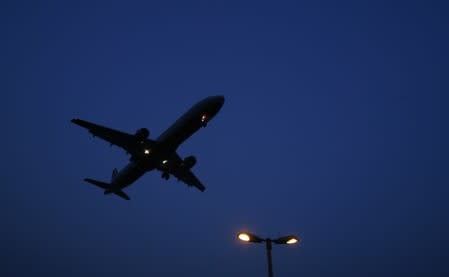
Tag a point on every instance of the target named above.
point(160, 154)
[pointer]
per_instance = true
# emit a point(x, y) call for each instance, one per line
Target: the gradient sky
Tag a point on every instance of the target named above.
point(334, 129)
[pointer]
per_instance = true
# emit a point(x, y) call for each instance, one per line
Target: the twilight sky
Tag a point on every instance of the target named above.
point(334, 129)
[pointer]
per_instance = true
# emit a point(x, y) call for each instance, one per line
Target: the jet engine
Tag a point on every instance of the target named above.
point(189, 162)
point(142, 134)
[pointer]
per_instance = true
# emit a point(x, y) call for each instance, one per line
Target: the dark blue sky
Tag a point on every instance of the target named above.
point(334, 129)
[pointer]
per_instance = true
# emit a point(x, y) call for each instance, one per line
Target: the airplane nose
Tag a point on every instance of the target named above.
point(220, 99)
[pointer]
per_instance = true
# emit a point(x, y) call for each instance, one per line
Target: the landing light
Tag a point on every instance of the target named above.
point(164, 161)
point(147, 151)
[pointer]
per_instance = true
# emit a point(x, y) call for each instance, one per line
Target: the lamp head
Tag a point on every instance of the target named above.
point(248, 237)
point(287, 240)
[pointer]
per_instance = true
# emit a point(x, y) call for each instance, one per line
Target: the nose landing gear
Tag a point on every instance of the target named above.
point(204, 120)
point(165, 175)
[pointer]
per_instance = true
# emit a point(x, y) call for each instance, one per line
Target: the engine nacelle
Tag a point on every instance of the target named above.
point(189, 162)
point(142, 134)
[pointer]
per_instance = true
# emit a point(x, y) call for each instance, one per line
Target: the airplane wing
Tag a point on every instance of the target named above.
point(124, 140)
point(189, 178)
point(182, 174)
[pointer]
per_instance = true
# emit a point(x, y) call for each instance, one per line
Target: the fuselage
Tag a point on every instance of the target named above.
point(152, 154)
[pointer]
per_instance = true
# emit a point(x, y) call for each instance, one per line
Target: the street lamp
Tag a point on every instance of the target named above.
point(249, 237)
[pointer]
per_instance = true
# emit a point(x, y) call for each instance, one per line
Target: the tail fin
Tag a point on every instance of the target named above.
point(114, 173)
point(107, 188)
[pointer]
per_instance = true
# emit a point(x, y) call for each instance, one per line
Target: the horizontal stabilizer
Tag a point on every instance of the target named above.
point(122, 194)
point(106, 187)
point(99, 184)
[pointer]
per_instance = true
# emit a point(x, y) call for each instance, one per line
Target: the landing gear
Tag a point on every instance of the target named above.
point(165, 175)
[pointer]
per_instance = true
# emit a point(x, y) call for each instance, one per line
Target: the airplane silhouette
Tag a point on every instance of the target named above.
point(160, 154)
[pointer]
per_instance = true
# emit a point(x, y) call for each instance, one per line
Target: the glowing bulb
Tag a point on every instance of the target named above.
point(292, 241)
point(203, 118)
point(164, 161)
point(147, 151)
point(244, 237)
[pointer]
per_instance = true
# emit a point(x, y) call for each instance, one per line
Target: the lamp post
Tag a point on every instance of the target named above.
point(248, 237)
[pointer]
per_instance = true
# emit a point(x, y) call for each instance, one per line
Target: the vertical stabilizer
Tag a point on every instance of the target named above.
point(114, 173)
